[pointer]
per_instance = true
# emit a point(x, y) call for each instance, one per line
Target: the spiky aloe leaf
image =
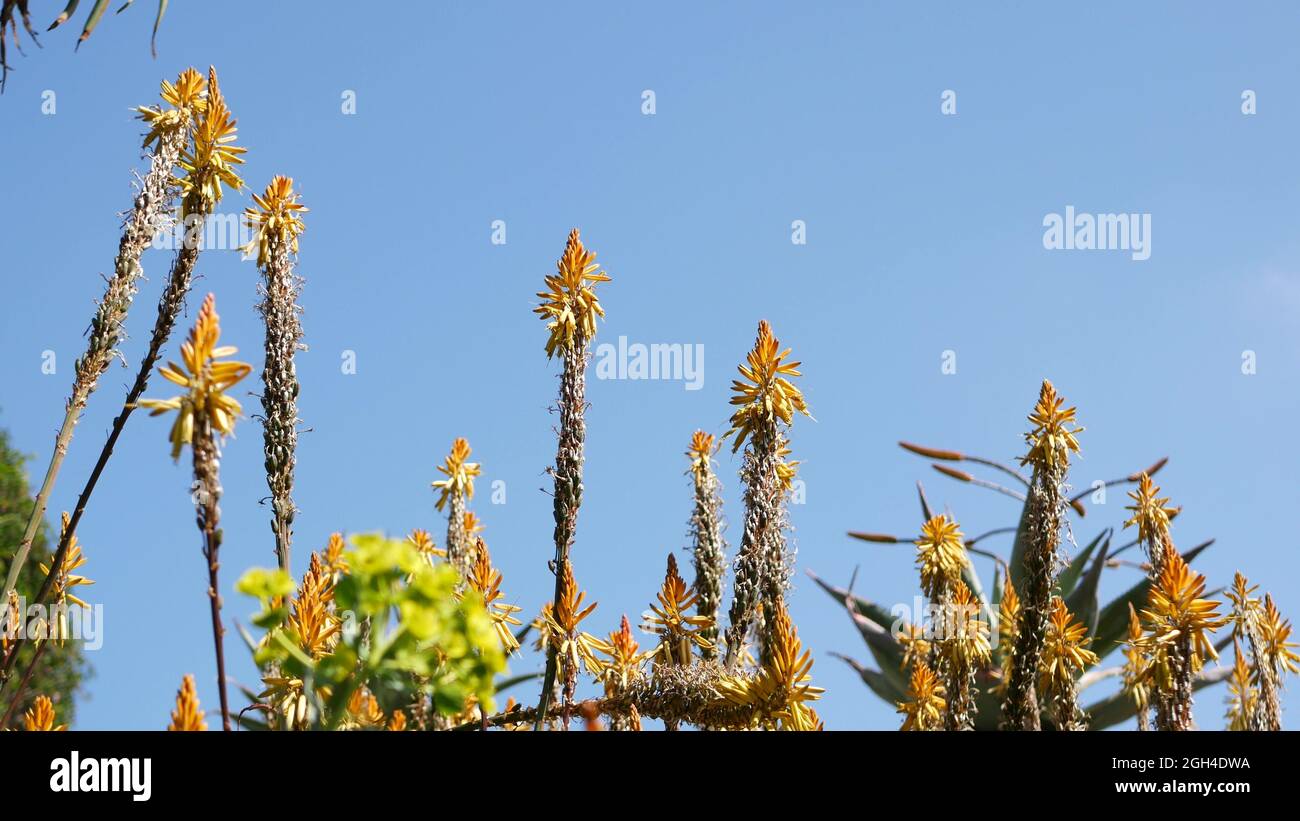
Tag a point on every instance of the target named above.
point(870, 619)
point(1112, 623)
point(1016, 564)
point(92, 20)
point(879, 683)
point(1084, 602)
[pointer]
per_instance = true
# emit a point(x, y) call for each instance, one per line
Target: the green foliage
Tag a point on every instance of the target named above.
point(61, 669)
point(407, 634)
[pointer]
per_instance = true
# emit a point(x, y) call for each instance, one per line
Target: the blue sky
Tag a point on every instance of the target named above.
point(924, 235)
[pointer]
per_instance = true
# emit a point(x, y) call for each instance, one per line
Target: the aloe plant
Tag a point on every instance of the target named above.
point(1078, 584)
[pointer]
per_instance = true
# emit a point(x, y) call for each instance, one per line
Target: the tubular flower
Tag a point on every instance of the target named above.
point(459, 472)
point(473, 525)
point(40, 717)
point(363, 709)
point(486, 579)
point(1247, 610)
point(188, 716)
point(1065, 651)
point(701, 453)
point(1175, 612)
point(625, 659)
point(1274, 632)
point(941, 555)
point(786, 470)
point(1051, 439)
point(424, 544)
point(569, 304)
point(1136, 666)
point(1242, 697)
point(65, 581)
point(312, 620)
point(765, 394)
point(333, 556)
point(966, 635)
point(573, 647)
point(1008, 628)
point(276, 220)
point(206, 379)
point(209, 162)
point(1150, 513)
point(925, 705)
point(397, 722)
point(916, 648)
point(779, 694)
point(187, 101)
point(677, 630)
point(290, 709)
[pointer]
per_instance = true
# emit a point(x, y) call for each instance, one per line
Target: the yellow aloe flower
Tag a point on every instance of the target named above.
point(1051, 440)
point(1242, 696)
point(701, 453)
point(334, 557)
point(312, 621)
point(206, 379)
point(73, 559)
point(1176, 611)
point(765, 395)
point(424, 544)
point(397, 722)
point(1065, 650)
point(786, 471)
point(940, 555)
point(780, 692)
point(287, 699)
point(188, 716)
point(625, 659)
point(561, 628)
point(459, 472)
point(1150, 513)
point(363, 709)
point(1136, 665)
point(1008, 629)
point(11, 624)
point(1247, 609)
point(276, 219)
point(677, 629)
point(925, 703)
point(916, 647)
point(186, 98)
point(1274, 632)
point(40, 717)
point(569, 303)
point(486, 579)
point(209, 162)
point(473, 524)
point(966, 635)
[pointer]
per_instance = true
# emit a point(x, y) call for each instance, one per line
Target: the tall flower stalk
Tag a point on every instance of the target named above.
point(208, 163)
point(1051, 440)
point(1178, 622)
point(708, 547)
point(767, 401)
point(277, 222)
point(453, 493)
point(203, 413)
point(169, 129)
point(570, 308)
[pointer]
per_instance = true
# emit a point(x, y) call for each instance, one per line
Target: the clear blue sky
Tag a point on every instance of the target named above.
point(924, 234)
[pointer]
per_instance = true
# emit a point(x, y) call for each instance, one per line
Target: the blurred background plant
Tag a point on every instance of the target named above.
point(63, 667)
